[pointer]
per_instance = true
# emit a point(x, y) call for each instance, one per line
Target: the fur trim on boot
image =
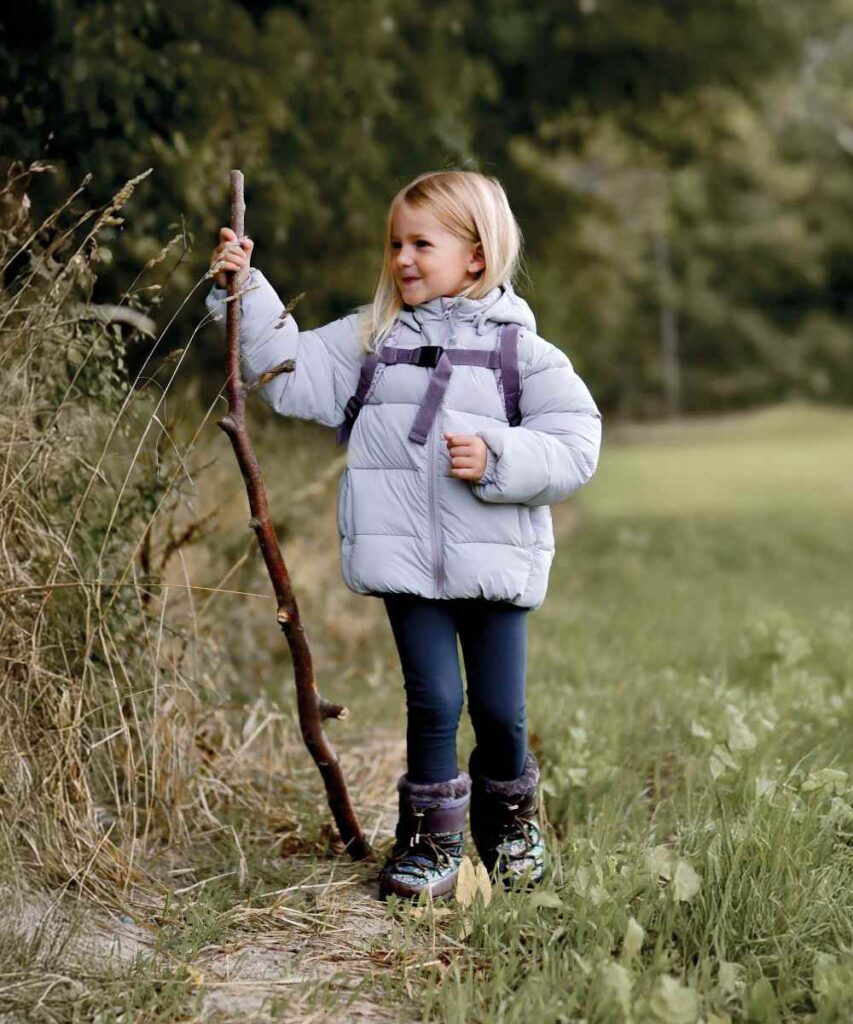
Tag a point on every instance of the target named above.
point(510, 789)
point(429, 791)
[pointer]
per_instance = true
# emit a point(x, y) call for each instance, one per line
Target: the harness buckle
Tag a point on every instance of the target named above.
point(429, 355)
point(352, 409)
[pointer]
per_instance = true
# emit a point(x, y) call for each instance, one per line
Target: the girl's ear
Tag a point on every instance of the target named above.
point(478, 259)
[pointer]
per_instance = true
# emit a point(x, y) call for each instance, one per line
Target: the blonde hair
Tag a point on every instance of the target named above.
point(470, 205)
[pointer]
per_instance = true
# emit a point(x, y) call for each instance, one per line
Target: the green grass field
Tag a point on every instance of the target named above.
point(690, 699)
point(691, 702)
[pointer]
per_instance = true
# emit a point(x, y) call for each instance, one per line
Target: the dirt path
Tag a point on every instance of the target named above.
point(323, 961)
point(342, 946)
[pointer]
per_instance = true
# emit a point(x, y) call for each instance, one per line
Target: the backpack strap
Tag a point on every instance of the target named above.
point(510, 378)
point(441, 361)
point(353, 406)
point(365, 380)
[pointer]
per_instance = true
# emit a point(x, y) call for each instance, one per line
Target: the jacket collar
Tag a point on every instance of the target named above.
point(500, 305)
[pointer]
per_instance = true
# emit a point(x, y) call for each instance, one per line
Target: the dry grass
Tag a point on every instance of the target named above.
point(143, 776)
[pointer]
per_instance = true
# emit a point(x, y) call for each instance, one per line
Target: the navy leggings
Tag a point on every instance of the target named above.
point(493, 635)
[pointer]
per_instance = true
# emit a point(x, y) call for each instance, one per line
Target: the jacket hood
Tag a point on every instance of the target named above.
point(499, 306)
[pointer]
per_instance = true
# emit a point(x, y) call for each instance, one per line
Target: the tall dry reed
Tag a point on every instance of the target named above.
point(116, 736)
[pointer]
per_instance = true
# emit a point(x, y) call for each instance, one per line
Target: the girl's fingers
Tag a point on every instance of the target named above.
point(230, 258)
point(240, 250)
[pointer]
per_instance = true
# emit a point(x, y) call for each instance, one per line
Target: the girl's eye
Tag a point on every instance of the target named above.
point(423, 242)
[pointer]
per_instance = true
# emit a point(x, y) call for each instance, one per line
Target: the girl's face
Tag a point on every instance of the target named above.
point(427, 260)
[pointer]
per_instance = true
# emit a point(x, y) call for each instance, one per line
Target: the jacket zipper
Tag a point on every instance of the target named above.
point(435, 524)
point(434, 441)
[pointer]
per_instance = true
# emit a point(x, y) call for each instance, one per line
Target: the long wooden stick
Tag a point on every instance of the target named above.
point(313, 708)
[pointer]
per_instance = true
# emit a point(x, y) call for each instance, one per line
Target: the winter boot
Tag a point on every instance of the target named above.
point(429, 838)
point(505, 823)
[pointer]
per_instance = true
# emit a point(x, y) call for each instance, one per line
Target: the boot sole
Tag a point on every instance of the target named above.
point(443, 888)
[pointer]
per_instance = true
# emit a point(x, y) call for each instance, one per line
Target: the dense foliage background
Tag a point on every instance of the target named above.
point(681, 170)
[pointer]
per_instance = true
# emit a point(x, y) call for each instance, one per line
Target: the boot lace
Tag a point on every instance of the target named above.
point(518, 827)
point(427, 845)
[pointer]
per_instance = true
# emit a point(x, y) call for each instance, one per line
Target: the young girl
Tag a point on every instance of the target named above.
point(463, 426)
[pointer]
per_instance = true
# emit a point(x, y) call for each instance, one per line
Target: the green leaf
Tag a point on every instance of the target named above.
point(762, 1002)
point(721, 761)
point(674, 1003)
point(740, 737)
point(685, 882)
point(616, 986)
point(632, 943)
point(544, 899)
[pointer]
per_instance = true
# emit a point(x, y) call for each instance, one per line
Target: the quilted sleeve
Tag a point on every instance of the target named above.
point(327, 360)
point(554, 450)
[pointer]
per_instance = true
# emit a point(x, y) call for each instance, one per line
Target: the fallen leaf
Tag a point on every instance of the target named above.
point(470, 881)
point(674, 1003)
point(685, 882)
point(730, 977)
point(832, 779)
point(721, 761)
point(740, 737)
point(632, 943)
point(660, 863)
point(544, 899)
point(616, 983)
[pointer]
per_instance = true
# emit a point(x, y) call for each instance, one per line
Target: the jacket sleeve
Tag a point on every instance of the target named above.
point(327, 360)
point(554, 450)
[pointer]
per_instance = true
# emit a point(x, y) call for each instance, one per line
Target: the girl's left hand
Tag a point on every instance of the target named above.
point(468, 456)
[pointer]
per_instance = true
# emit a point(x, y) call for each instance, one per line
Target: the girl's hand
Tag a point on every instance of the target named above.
point(231, 254)
point(468, 456)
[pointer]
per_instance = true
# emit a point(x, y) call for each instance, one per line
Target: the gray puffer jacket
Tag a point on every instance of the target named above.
point(406, 525)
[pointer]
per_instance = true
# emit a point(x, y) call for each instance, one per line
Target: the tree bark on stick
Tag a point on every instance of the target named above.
point(313, 709)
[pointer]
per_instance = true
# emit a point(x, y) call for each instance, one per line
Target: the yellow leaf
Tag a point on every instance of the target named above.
point(484, 884)
point(196, 975)
point(466, 882)
point(472, 880)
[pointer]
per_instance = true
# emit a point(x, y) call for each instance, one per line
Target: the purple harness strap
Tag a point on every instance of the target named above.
point(503, 358)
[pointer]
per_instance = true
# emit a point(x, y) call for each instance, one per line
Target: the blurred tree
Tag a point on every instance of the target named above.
point(680, 170)
point(648, 149)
